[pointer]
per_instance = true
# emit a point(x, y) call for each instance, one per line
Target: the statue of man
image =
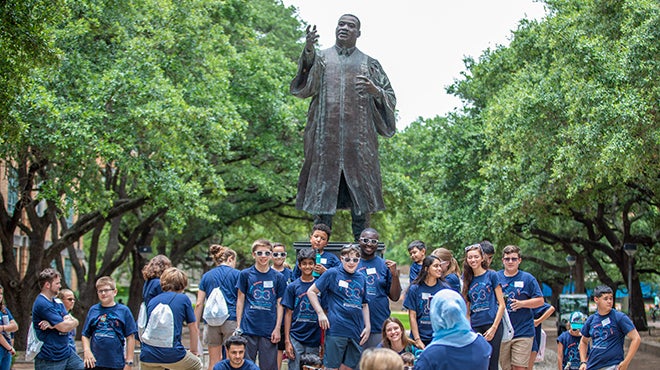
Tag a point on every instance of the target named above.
point(352, 102)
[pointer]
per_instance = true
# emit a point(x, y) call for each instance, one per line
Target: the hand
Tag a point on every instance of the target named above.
point(290, 353)
point(364, 336)
point(515, 304)
point(323, 321)
point(89, 359)
point(490, 333)
point(311, 38)
point(419, 344)
point(364, 84)
point(44, 325)
point(622, 366)
point(392, 266)
point(583, 366)
point(320, 269)
point(275, 335)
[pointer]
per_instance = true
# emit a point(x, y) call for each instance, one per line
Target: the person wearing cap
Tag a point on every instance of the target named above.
point(568, 343)
point(606, 329)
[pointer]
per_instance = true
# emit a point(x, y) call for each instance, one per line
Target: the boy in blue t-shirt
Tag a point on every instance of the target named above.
point(522, 294)
point(347, 322)
point(607, 329)
point(568, 343)
point(258, 309)
point(302, 333)
point(108, 327)
point(417, 251)
point(325, 260)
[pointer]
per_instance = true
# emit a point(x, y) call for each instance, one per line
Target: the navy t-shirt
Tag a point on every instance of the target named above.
point(183, 312)
point(482, 298)
point(262, 291)
point(107, 328)
point(454, 282)
point(418, 299)
point(607, 334)
point(304, 321)
point(151, 289)
point(379, 281)
point(328, 260)
point(345, 294)
point(287, 274)
point(226, 365)
point(521, 286)
point(224, 277)
point(474, 356)
point(56, 344)
point(415, 268)
point(571, 344)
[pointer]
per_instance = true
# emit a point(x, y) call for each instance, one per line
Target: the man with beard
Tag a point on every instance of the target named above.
point(382, 284)
point(352, 103)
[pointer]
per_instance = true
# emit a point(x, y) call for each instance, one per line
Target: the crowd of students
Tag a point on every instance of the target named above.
point(326, 313)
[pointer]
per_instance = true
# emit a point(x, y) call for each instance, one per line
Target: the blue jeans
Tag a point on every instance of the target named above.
point(74, 362)
point(5, 359)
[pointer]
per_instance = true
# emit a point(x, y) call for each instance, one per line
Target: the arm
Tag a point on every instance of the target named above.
point(584, 347)
point(69, 323)
point(130, 349)
point(312, 294)
point(395, 287)
point(490, 333)
point(194, 338)
point(635, 340)
point(240, 301)
point(88, 356)
point(545, 316)
point(560, 355)
point(6, 345)
point(364, 336)
point(414, 330)
point(199, 306)
point(287, 334)
point(527, 303)
point(10, 328)
point(275, 335)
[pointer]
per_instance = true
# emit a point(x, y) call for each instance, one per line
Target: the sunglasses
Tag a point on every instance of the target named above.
point(408, 367)
point(369, 241)
point(263, 253)
point(279, 254)
point(351, 259)
point(311, 367)
point(471, 247)
point(510, 259)
point(71, 299)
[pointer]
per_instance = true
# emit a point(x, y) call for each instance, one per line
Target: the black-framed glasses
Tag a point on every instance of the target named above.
point(104, 291)
point(279, 254)
point(510, 259)
point(263, 253)
point(473, 246)
point(369, 241)
point(351, 259)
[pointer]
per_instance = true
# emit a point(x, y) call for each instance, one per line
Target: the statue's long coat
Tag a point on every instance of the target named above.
point(341, 132)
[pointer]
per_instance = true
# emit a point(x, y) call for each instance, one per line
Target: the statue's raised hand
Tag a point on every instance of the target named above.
point(311, 39)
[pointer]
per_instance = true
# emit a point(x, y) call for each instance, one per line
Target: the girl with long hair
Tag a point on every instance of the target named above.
point(394, 337)
point(485, 300)
point(451, 272)
point(428, 282)
point(7, 329)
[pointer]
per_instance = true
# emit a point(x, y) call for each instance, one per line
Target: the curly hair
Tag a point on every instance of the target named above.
point(156, 267)
point(220, 254)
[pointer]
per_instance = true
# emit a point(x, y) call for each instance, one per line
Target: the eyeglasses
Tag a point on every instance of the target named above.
point(369, 241)
point(510, 259)
point(408, 368)
point(279, 254)
point(71, 299)
point(104, 291)
point(473, 246)
point(351, 259)
point(263, 253)
point(311, 367)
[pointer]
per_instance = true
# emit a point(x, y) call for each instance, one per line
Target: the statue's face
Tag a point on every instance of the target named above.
point(347, 31)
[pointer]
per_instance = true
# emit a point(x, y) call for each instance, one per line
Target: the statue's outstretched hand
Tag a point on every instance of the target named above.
point(311, 39)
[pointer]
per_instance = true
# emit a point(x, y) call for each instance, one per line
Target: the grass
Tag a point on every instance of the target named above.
point(403, 316)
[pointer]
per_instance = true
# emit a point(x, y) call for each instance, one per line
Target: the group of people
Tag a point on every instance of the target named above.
point(327, 312)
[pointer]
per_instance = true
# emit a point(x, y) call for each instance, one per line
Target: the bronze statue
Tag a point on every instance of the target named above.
point(352, 102)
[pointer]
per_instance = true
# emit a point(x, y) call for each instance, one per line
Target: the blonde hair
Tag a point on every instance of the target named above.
point(173, 280)
point(445, 254)
point(380, 359)
point(262, 243)
point(106, 280)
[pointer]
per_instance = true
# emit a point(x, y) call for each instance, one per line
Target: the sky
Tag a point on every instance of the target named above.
point(421, 44)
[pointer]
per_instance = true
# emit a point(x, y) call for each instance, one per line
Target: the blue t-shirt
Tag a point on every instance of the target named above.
point(454, 282)
point(107, 328)
point(328, 260)
point(607, 335)
point(379, 281)
point(482, 298)
point(474, 356)
point(150, 289)
point(571, 351)
point(183, 312)
point(345, 294)
point(6, 320)
point(56, 344)
point(418, 299)
point(224, 277)
point(304, 321)
point(226, 365)
point(415, 268)
point(262, 292)
point(521, 286)
point(287, 274)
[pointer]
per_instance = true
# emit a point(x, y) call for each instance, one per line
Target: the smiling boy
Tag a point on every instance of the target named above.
point(235, 347)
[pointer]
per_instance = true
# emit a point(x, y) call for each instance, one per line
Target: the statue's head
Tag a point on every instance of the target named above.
point(347, 31)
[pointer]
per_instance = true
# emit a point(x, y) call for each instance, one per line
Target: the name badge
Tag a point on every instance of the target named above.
point(426, 296)
point(324, 261)
point(371, 271)
point(343, 283)
point(605, 322)
point(519, 284)
point(268, 284)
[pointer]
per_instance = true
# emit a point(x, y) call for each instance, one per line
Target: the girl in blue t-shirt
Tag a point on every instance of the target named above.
point(7, 330)
point(485, 300)
point(428, 282)
point(450, 269)
point(151, 273)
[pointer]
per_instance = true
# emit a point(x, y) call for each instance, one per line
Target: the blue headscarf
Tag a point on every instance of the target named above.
point(450, 326)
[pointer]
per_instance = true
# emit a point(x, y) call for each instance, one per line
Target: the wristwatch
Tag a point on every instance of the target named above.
point(129, 363)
